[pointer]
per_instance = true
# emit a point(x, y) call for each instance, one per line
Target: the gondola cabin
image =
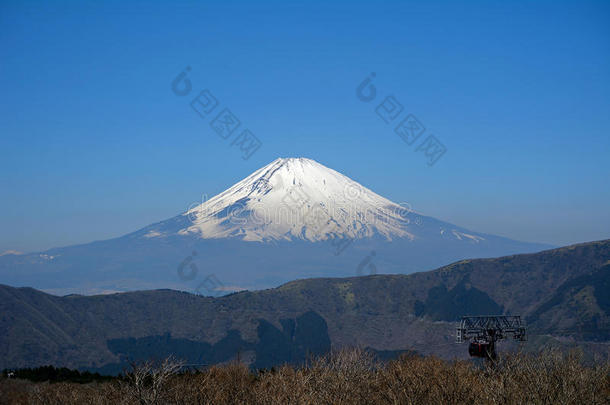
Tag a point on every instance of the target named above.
point(478, 349)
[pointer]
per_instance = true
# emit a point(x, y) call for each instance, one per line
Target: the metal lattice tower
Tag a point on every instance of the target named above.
point(484, 331)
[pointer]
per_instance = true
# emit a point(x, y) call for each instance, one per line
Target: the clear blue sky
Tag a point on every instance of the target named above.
point(94, 144)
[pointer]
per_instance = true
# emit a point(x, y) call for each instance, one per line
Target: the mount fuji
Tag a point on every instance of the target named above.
point(293, 218)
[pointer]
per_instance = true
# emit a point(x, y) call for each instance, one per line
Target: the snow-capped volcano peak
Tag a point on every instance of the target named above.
point(297, 198)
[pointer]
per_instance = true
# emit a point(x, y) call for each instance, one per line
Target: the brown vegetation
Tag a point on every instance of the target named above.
point(346, 377)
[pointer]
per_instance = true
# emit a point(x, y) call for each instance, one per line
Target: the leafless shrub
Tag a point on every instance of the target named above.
point(343, 377)
point(72, 393)
point(549, 377)
point(149, 381)
point(227, 384)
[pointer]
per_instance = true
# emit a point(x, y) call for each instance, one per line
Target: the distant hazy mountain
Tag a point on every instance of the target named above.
point(563, 294)
point(293, 218)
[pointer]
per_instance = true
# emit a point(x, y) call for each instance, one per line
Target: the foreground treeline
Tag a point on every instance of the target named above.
point(54, 374)
point(346, 377)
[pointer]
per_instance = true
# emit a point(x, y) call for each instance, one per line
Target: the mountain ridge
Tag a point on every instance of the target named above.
point(416, 312)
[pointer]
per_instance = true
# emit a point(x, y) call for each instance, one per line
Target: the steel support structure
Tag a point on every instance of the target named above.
point(485, 331)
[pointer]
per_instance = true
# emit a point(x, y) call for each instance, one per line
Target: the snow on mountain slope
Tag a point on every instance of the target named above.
point(297, 198)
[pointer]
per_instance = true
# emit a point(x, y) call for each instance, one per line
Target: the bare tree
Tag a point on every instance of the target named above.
point(149, 380)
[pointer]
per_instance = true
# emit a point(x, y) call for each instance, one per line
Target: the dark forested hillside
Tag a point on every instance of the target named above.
point(561, 293)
